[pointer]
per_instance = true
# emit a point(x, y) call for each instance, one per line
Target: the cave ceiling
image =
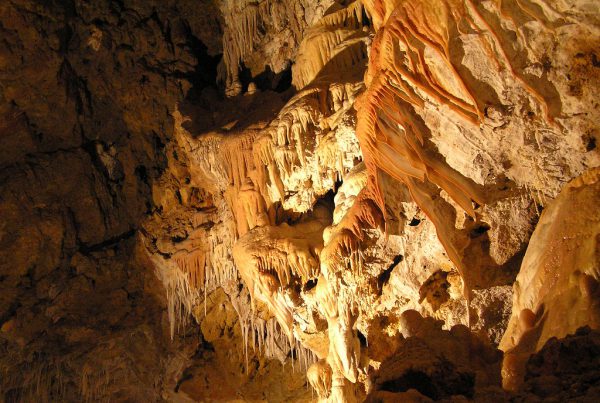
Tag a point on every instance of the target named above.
point(303, 200)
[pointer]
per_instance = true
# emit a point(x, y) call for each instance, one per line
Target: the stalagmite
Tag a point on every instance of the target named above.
point(559, 274)
point(319, 376)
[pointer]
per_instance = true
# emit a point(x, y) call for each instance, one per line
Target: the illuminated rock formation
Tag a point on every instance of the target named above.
point(459, 118)
point(269, 200)
point(556, 291)
point(418, 88)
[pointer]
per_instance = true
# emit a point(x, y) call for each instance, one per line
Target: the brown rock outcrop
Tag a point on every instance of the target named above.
point(224, 200)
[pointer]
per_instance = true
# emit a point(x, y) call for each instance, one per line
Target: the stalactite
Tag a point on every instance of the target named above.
point(411, 64)
point(269, 339)
point(272, 258)
point(243, 22)
point(181, 296)
point(334, 42)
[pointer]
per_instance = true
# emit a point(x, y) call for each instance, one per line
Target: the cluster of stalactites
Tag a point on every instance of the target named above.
point(246, 190)
point(341, 304)
point(257, 167)
point(254, 168)
point(205, 259)
point(294, 127)
point(342, 248)
point(191, 273)
point(268, 338)
point(253, 164)
point(272, 260)
point(319, 377)
point(242, 29)
point(181, 296)
point(305, 144)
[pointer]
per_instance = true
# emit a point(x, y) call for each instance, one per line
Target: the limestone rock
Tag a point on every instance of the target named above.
point(558, 275)
point(222, 200)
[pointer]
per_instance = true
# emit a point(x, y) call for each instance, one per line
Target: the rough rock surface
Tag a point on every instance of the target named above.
point(219, 200)
point(85, 94)
point(565, 369)
point(559, 274)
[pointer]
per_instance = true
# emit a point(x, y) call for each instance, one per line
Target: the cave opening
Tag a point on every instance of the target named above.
point(310, 284)
point(204, 74)
point(268, 80)
point(384, 277)
point(412, 379)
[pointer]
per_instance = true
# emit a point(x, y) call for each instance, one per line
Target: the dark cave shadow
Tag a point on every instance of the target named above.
point(208, 109)
point(267, 80)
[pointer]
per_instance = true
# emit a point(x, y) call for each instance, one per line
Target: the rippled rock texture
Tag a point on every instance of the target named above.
point(376, 200)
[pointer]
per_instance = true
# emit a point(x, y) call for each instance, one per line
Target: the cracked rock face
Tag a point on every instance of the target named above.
point(83, 135)
point(376, 200)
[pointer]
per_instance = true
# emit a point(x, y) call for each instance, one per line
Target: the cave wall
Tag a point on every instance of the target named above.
point(223, 200)
point(86, 93)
